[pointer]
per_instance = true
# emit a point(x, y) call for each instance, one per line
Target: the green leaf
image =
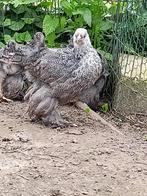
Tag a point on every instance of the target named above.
point(19, 10)
point(86, 14)
point(51, 39)
point(105, 107)
point(50, 24)
point(2, 45)
point(78, 22)
point(8, 38)
point(66, 30)
point(113, 8)
point(17, 3)
point(66, 6)
point(20, 2)
point(22, 37)
point(106, 25)
point(63, 22)
point(39, 24)
point(46, 4)
point(87, 109)
point(39, 21)
point(30, 13)
point(28, 20)
point(16, 25)
point(7, 22)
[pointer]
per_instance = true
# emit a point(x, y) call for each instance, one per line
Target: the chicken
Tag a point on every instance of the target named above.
point(2, 77)
point(83, 68)
point(62, 75)
point(13, 83)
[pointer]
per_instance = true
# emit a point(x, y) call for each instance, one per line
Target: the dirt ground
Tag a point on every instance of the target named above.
point(88, 160)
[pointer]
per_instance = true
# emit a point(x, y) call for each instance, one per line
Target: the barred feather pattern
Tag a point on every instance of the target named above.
point(52, 64)
point(14, 87)
point(13, 83)
point(88, 71)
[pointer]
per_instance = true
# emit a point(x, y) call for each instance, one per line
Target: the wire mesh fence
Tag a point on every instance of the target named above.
point(130, 56)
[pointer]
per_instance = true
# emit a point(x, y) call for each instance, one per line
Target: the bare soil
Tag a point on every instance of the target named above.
point(88, 160)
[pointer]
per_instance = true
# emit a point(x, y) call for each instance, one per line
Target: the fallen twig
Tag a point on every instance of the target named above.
point(73, 133)
point(23, 177)
point(96, 116)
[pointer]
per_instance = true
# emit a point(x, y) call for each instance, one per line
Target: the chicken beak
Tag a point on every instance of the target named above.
point(78, 39)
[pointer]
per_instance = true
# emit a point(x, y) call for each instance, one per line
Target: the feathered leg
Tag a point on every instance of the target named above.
point(48, 113)
point(39, 100)
point(31, 90)
point(43, 107)
point(55, 120)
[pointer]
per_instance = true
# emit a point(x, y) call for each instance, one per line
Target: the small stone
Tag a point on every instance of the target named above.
point(23, 139)
point(74, 141)
point(123, 150)
point(99, 164)
point(85, 193)
point(86, 160)
point(139, 170)
point(38, 176)
point(6, 139)
point(100, 153)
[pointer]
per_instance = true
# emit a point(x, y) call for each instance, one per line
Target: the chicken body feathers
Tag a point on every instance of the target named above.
point(86, 74)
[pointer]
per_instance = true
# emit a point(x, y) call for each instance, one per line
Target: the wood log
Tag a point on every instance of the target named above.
point(97, 117)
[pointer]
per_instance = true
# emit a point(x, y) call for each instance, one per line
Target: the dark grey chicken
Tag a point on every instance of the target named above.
point(61, 75)
point(13, 83)
point(14, 80)
point(2, 77)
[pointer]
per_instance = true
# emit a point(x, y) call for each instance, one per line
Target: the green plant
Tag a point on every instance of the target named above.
point(105, 108)
point(87, 110)
point(58, 19)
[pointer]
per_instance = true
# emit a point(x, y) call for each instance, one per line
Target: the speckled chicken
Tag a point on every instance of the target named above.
point(61, 75)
